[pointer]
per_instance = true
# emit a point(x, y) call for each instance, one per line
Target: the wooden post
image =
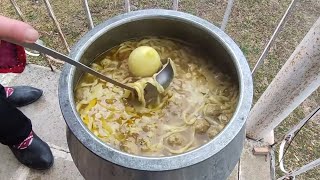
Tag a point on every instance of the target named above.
point(274, 35)
point(16, 7)
point(127, 5)
point(226, 15)
point(88, 14)
point(296, 80)
point(175, 5)
point(53, 17)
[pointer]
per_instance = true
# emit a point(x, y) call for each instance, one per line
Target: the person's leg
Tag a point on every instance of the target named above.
point(15, 126)
point(16, 132)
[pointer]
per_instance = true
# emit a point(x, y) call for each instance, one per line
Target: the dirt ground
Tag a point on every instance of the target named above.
point(251, 25)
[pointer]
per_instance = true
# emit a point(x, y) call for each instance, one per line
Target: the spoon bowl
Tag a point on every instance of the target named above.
point(165, 76)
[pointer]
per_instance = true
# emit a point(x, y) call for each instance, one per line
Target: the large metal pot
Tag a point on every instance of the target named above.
point(214, 160)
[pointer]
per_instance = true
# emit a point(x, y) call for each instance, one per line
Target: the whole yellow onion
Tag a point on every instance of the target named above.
point(144, 61)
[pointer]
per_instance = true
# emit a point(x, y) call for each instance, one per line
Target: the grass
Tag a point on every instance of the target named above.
point(251, 25)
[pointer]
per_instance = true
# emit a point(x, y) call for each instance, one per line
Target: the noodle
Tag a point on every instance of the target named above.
point(192, 110)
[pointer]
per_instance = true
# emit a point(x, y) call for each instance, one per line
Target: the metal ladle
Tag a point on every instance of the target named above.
point(163, 77)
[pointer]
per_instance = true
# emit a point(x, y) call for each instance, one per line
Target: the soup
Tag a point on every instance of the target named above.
point(196, 106)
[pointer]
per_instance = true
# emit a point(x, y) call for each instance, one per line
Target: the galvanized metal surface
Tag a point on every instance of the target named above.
point(18, 11)
point(96, 159)
point(226, 15)
point(274, 35)
point(296, 80)
point(43, 49)
point(55, 21)
point(88, 14)
point(301, 170)
point(127, 5)
point(289, 137)
point(175, 4)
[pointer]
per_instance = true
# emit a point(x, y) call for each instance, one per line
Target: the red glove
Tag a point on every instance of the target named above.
point(12, 58)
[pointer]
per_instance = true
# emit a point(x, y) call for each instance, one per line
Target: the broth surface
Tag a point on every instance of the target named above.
point(193, 109)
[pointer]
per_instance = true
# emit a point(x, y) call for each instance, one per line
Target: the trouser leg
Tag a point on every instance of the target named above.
point(14, 125)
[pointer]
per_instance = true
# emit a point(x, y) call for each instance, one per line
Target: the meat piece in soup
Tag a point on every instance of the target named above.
point(176, 140)
point(201, 126)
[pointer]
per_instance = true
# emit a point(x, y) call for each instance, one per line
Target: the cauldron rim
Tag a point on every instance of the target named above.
point(106, 152)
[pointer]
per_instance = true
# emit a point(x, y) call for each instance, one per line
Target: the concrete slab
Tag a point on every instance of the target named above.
point(9, 164)
point(254, 167)
point(61, 170)
point(45, 114)
point(5, 79)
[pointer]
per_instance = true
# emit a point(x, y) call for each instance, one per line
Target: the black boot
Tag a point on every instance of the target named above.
point(24, 95)
point(36, 156)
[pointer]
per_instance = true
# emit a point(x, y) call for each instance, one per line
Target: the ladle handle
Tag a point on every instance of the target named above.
point(57, 55)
